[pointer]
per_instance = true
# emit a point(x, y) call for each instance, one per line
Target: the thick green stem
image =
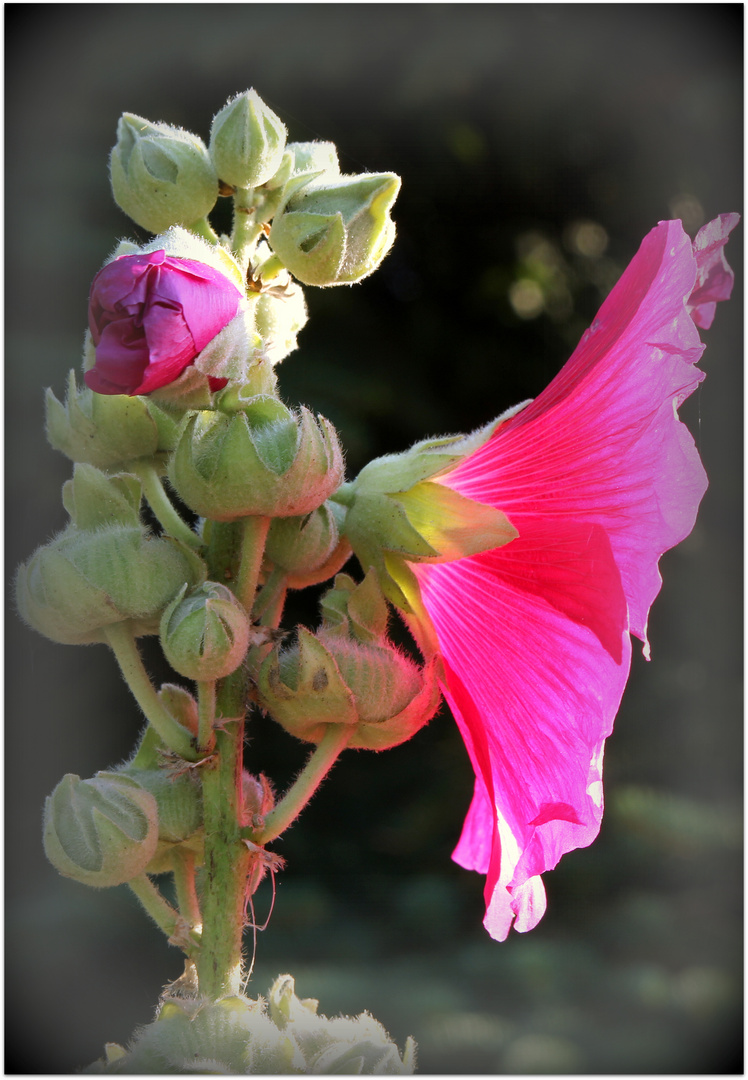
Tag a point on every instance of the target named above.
point(333, 742)
point(162, 506)
point(177, 738)
point(226, 855)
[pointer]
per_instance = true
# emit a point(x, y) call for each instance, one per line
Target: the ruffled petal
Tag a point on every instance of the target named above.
point(603, 443)
point(209, 300)
point(714, 277)
point(534, 693)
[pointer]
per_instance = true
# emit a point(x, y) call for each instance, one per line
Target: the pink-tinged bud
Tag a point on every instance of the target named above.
point(150, 315)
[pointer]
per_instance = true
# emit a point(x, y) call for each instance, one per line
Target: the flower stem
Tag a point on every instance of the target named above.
point(159, 909)
point(203, 228)
point(268, 606)
point(162, 506)
point(246, 231)
point(254, 534)
point(184, 882)
point(333, 742)
point(122, 643)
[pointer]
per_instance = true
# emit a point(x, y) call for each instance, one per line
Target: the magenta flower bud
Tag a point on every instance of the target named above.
point(150, 315)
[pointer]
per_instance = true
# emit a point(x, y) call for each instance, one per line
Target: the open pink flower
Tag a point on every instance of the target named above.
point(150, 315)
point(600, 478)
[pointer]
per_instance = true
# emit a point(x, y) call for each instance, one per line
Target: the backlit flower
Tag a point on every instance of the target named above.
point(150, 315)
point(599, 477)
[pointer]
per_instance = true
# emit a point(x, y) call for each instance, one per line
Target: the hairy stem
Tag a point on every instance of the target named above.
point(177, 738)
point(162, 506)
point(333, 742)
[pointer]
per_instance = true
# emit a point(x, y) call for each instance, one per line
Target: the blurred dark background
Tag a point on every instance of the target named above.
point(537, 145)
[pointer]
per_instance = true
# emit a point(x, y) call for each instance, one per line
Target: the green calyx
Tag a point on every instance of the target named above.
point(261, 460)
point(397, 512)
point(101, 832)
point(161, 175)
point(309, 548)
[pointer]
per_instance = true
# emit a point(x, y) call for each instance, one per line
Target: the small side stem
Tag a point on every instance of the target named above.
point(203, 228)
point(162, 506)
point(177, 738)
point(254, 534)
point(333, 742)
point(246, 232)
point(268, 607)
point(184, 882)
point(159, 909)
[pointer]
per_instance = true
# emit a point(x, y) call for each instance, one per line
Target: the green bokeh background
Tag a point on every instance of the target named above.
point(510, 125)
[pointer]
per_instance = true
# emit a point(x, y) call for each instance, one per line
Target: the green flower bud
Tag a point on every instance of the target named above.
point(205, 633)
point(308, 548)
point(247, 141)
point(102, 831)
point(178, 799)
point(108, 431)
point(161, 175)
point(356, 611)
point(332, 679)
point(315, 159)
point(262, 460)
point(338, 232)
point(104, 568)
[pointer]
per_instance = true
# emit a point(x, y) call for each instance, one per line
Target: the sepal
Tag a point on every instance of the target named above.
point(260, 460)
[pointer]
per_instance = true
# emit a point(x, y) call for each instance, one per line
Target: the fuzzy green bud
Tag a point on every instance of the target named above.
point(247, 141)
point(309, 548)
point(102, 831)
point(205, 633)
point(161, 175)
point(104, 568)
point(336, 232)
point(333, 679)
point(108, 430)
point(261, 460)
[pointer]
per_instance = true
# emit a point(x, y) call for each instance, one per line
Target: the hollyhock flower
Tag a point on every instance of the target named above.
point(150, 315)
point(599, 477)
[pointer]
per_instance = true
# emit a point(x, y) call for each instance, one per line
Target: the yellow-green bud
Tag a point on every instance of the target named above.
point(205, 633)
point(308, 548)
point(398, 512)
point(247, 141)
point(336, 232)
point(108, 430)
point(102, 831)
point(262, 460)
point(104, 568)
point(161, 175)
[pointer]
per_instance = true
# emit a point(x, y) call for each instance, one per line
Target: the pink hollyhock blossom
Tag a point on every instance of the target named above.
point(150, 315)
point(600, 478)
